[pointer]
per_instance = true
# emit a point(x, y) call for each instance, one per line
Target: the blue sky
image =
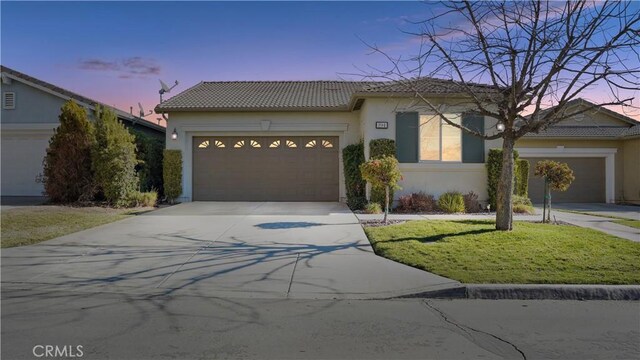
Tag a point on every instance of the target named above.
point(115, 52)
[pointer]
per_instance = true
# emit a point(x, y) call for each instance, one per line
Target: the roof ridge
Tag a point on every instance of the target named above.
point(283, 81)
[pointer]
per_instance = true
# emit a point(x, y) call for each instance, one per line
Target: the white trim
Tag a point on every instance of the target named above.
point(258, 127)
point(609, 154)
point(444, 167)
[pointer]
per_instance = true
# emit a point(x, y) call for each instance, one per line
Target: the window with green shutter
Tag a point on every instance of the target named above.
point(472, 146)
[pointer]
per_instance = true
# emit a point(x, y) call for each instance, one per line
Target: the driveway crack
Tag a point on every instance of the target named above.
point(471, 334)
point(292, 273)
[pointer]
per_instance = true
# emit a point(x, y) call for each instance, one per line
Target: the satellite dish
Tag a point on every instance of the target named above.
point(142, 114)
point(166, 88)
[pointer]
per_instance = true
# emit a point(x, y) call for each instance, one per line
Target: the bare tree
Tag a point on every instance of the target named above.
point(530, 55)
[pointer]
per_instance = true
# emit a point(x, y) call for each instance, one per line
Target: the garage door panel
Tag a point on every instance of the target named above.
point(589, 185)
point(265, 169)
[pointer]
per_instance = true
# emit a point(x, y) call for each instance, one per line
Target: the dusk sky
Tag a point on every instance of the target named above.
point(115, 52)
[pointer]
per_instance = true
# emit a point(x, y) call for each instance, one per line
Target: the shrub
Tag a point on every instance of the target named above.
point(522, 178)
point(382, 173)
point(451, 202)
point(149, 156)
point(352, 158)
point(471, 203)
point(141, 199)
point(494, 167)
point(373, 208)
point(114, 158)
point(521, 200)
point(67, 174)
point(172, 174)
point(417, 202)
point(523, 209)
point(379, 148)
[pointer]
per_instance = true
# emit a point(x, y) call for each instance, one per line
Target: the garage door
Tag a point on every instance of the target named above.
point(267, 168)
point(589, 185)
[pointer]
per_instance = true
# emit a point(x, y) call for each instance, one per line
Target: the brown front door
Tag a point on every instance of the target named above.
point(265, 168)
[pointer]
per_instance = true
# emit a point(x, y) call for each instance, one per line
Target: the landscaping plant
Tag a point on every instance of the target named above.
point(172, 174)
point(419, 202)
point(522, 205)
point(149, 154)
point(67, 174)
point(379, 148)
point(114, 158)
point(471, 203)
point(373, 208)
point(451, 202)
point(557, 176)
point(352, 158)
point(382, 173)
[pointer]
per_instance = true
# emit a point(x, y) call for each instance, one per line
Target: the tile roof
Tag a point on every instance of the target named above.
point(265, 96)
point(298, 95)
point(581, 131)
point(632, 131)
point(123, 115)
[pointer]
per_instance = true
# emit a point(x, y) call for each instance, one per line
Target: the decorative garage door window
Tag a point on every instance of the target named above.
point(203, 143)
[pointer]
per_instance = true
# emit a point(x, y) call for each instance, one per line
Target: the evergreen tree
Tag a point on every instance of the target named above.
point(67, 165)
point(114, 158)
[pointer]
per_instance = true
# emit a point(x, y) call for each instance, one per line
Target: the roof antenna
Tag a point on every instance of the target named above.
point(164, 88)
point(141, 113)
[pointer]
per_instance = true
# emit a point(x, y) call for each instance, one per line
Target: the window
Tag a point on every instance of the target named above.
point(219, 144)
point(254, 144)
point(275, 144)
point(327, 144)
point(291, 144)
point(438, 140)
point(311, 144)
point(9, 100)
point(239, 144)
point(204, 144)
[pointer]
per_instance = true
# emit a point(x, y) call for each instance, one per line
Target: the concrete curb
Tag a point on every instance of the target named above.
point(534, 292)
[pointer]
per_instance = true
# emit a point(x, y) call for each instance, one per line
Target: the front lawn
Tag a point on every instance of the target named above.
point(472, 251)
point(33, 224)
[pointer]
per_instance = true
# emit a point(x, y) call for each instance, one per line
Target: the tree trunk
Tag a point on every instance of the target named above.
point(504, 206)
point(386, 203)
point(547, 199)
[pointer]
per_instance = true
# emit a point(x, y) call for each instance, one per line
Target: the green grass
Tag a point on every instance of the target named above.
point(472, 251)
point(628, 222)
point(33, 224)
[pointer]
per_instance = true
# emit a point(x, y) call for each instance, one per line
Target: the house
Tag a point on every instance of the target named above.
point(601, 146)
point(282, 140)
point(30, 109)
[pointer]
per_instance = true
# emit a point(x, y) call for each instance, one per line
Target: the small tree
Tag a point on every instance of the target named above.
point(382, 173)
point(67, 174)
point(557, 176)
point(114, 158)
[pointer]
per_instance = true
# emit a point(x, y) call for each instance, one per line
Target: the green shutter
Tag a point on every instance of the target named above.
point(407, 137)
point(472, 146)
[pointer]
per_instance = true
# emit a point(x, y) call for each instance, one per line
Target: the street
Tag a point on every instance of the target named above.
point(122, 326)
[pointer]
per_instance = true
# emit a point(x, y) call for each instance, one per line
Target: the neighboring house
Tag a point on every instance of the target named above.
point(601, 146)
point(30, 110)
point(282, 140)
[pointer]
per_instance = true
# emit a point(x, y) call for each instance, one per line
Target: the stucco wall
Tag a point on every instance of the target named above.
point(615, 144)
point(433, 178)
point(345, 125)
point(631, 163)
point(32, 105)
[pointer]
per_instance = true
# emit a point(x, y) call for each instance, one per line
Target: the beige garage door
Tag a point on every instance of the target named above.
point(589, 185)
point(267, 168)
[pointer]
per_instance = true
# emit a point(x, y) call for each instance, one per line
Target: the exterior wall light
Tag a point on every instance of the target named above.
point(500, 126)
point(174, 134)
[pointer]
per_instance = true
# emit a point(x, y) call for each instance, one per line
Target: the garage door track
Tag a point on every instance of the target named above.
point(261, 250)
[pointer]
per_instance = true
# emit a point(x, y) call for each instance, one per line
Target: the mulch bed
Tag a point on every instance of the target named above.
point(379, 222)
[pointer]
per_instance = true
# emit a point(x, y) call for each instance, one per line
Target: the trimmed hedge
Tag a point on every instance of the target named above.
point(522, 178)
point(379, 148)
point(494, 167)
point(149, 155)
point(352, 158)
point(172, 174)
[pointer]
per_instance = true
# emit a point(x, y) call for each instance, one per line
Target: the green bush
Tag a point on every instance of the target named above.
point(451, 202)
point(372, 208)
point(521, 200)
point(172, 174)
point(494, 167)
point(523, 209)
point(352, 158)
point(522, 178)
point(142, 199)
point(379, 148)
point(114, 158)
point(149, 156)
point(67, 174)
point(382, 173)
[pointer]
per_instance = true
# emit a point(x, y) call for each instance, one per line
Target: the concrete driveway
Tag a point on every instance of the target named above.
point(615, 210)
point(248, 250)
